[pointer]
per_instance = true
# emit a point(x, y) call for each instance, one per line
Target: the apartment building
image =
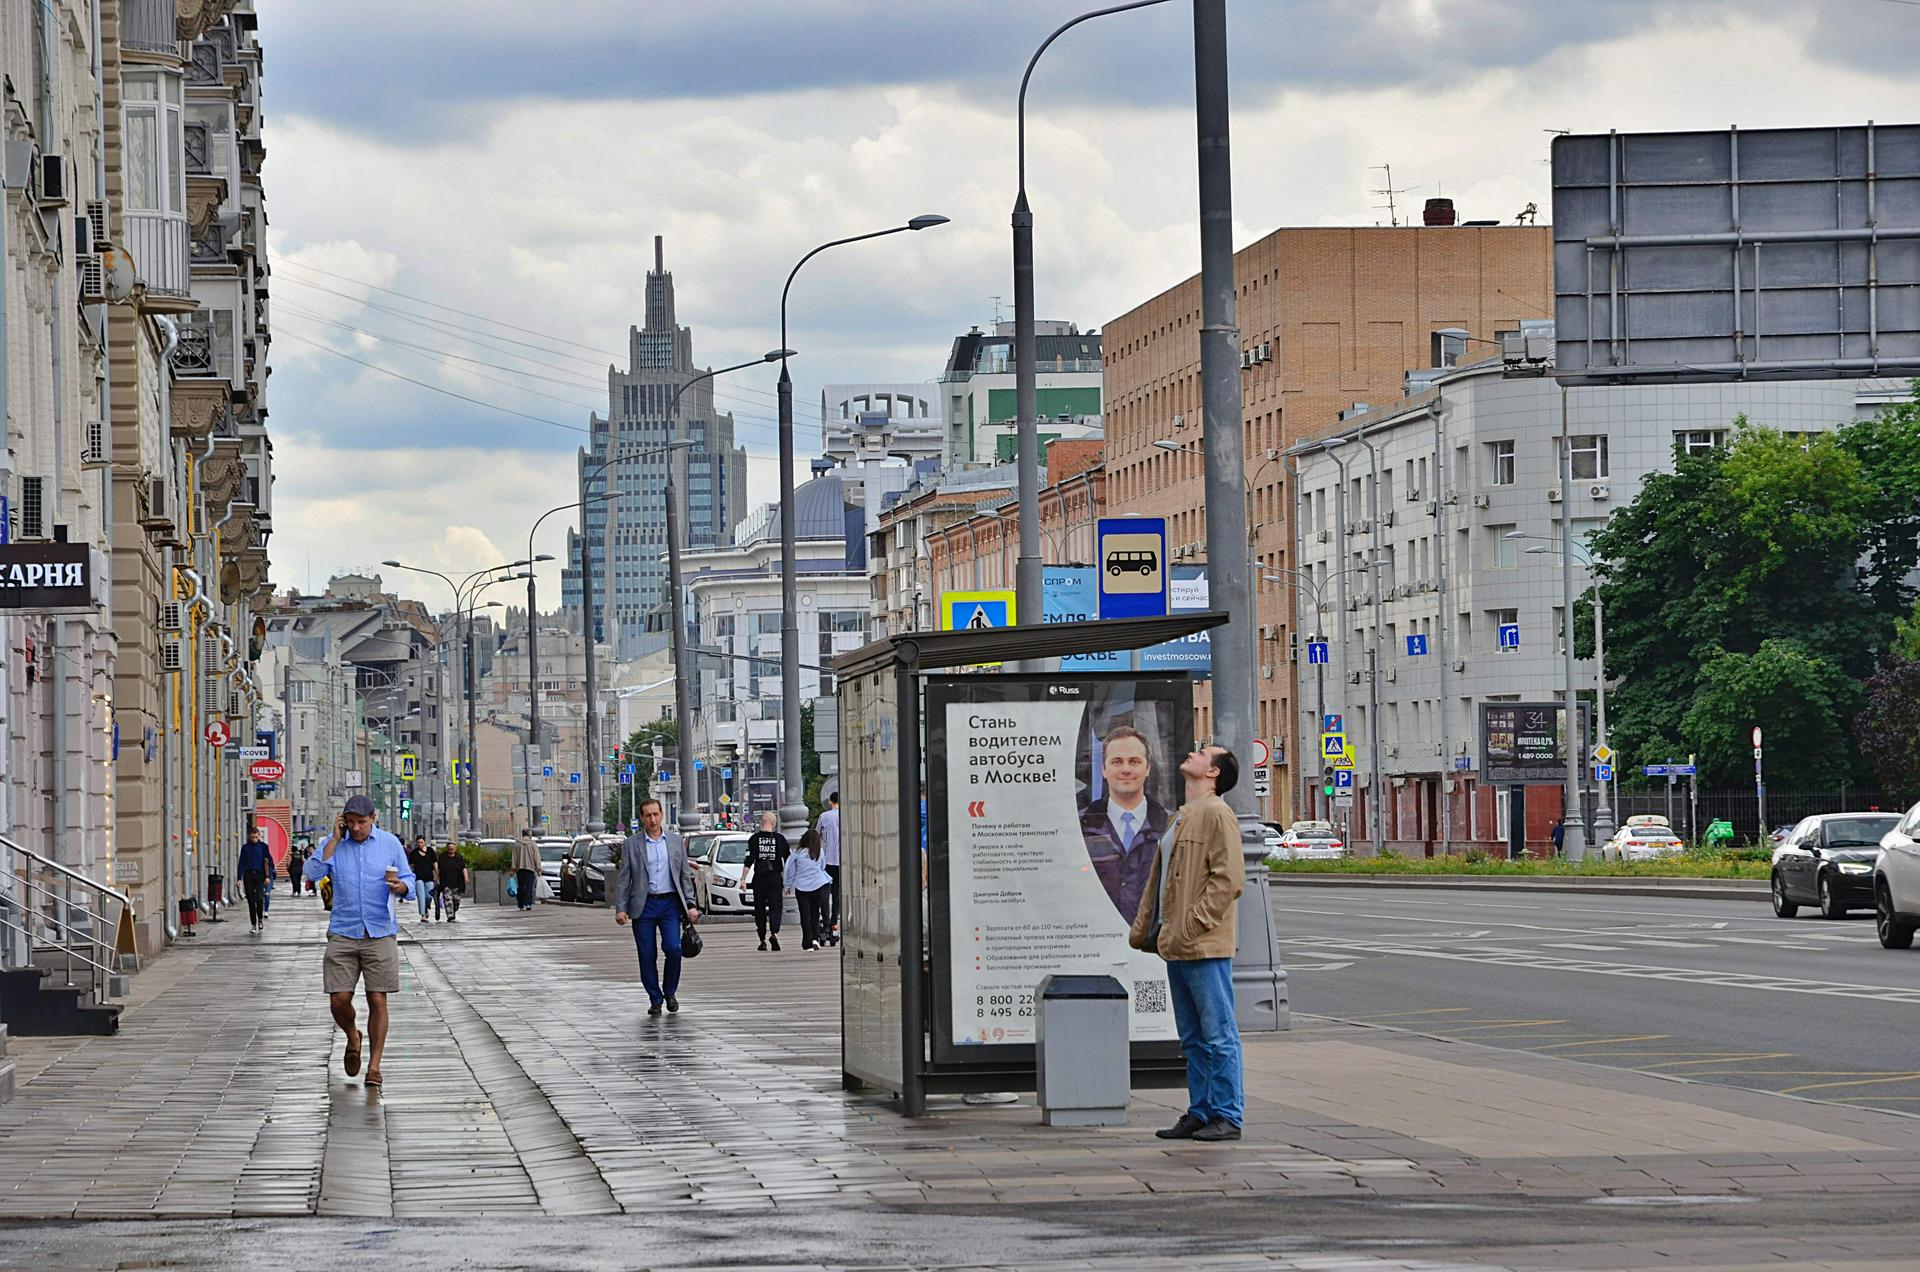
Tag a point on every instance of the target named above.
point(978, 395)
point(1327, 317)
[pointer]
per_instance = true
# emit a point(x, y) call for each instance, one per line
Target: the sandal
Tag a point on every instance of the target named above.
point(373, 1077)
point(353, 1055)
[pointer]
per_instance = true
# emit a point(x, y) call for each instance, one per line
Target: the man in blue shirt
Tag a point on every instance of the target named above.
point(256, 865)
point(654, 889)
point(369, 869)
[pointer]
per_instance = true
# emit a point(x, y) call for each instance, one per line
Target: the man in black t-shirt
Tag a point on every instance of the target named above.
point(766, 873)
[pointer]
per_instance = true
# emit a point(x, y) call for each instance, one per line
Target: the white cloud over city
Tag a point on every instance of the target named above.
point(521, 173)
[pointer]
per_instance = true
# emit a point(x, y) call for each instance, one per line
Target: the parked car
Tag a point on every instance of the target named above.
point(1644, 838)
point(588, 868)
point(553, 850)
point(1310, 841)
point(1778, 835)
point(1896, 883)
point(1828, 861)
point(717, 883)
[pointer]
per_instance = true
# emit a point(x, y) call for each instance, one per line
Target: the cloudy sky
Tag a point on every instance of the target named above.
point(464, 194)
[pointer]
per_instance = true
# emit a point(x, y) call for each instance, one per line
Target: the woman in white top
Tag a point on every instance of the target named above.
point(812, 890)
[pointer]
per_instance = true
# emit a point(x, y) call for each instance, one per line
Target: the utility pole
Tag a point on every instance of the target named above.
point(1259, 984)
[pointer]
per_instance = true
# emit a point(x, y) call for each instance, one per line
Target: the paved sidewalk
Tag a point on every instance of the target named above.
point(523, 1078)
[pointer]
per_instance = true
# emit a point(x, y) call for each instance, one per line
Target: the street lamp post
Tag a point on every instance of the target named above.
point(793, 809)
point(596, 820)
point(1259, 984)
point(1029, 597)
point(1603, 826)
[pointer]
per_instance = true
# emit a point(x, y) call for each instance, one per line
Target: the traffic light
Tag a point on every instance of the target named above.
point(1326, 780)
point(406, 808)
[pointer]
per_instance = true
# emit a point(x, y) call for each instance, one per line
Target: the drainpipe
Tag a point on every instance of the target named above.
point(172, 837)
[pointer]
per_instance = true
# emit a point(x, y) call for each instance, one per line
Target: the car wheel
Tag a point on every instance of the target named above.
point(1782, 908)
point(1830, 907)
point(1896, 932)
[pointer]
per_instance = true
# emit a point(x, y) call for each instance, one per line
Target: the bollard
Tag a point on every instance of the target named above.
point(1085, 1074)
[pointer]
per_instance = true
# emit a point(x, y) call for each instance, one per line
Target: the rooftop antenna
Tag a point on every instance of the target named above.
point(996, 309)
point(1390, 190)
point(1527, 215)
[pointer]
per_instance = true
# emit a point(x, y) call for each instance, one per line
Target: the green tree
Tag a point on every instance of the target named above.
point(1887, 448)
point(1886, 725)
point(1801, 698)
point(810, 777)
point(623, 802)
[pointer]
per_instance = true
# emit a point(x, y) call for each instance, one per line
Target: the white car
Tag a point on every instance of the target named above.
point(1896, 883)
point(1645, 838)
point(1308, 841)
point(553, 849)
point(717, 883)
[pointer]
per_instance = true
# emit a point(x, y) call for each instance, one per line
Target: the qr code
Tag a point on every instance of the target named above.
point(1149, 997)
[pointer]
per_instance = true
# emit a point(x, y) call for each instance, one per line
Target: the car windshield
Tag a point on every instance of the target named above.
point(1859, 832)
point(732, 852)
point(552, 852)
point(602, 855)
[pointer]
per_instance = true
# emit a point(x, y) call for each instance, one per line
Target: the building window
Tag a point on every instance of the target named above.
point(1506, 551)
point(1588, 452)
point(1500, 462)
point(1695, 440)
point(155, 182)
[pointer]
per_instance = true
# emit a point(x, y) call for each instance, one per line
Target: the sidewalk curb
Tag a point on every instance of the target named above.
point(1703, 890)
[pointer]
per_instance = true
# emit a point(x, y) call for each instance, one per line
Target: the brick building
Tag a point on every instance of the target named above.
point(1332, 317)
point(979, 548)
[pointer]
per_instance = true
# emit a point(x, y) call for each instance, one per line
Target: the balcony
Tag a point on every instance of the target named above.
point(147, 26)
point(158, 243)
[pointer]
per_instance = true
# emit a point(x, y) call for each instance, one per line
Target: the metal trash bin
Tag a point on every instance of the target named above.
point(1084, 1075)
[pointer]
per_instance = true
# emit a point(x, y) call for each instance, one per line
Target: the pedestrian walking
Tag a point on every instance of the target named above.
point(1187, 916)
point(368, 869)
point(256, 863)
point(654, 890)
point(766, 874)
point(829, 828)
point(424, 863)
point(812, 890)
point(296, 863)
point(450, 873)
point(526, 869)
point(1558, 835)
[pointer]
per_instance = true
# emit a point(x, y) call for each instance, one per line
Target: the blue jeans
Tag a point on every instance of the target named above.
point(661, 915)
point(425, 891)
point(1209, 1036)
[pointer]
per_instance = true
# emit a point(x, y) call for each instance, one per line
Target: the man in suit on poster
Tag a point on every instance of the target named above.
point(1122, 828)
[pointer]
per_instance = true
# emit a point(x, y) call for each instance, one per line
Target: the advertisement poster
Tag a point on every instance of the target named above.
point(1047, 797)
point(1186, 594)
point(1525, 742)
point(1071, 594)
point(275, 817)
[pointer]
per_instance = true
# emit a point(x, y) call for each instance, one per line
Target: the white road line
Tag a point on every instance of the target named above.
point(1575, 945)
point(1670, 945)
point(1457, 900)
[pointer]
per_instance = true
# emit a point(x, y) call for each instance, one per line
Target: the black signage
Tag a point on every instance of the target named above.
point(46, 576)
point(1523, 742)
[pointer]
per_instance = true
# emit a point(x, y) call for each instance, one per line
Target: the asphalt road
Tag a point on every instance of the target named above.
point(1715, 991)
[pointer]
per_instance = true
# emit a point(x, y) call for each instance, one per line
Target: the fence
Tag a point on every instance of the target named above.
point(1691, 815)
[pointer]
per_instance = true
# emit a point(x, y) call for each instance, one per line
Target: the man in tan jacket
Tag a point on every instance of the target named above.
point(526, 869)
point(1187, 917)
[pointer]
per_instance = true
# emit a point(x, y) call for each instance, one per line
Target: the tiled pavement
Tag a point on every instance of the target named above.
point(523, 1077)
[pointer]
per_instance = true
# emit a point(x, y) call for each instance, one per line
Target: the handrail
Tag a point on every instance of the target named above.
point(28, 933)
point(68, 871)
point(47, 910)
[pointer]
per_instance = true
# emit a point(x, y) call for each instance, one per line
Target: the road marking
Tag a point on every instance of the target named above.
point(1575, 945)
point(1824, 1086)
point(1720, 1059)
point(1669, 945)
point(1596, 1042)
point(1424, 1011)
point(1316, 967)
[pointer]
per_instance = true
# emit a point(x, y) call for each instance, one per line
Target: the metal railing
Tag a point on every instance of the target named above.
point(158, 244)
point(46, 905)
point(148, 26)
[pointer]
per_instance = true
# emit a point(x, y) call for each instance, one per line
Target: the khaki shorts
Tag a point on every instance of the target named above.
point(348, 959)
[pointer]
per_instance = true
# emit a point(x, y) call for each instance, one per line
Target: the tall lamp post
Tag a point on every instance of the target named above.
point(1029, 593)
point(1259, 984)
point(463, 593)
point(596, 820)
point(1603, 826)
point(793, 809)
point(682, 665)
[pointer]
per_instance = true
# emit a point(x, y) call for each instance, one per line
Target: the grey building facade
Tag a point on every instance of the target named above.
point(627, 536)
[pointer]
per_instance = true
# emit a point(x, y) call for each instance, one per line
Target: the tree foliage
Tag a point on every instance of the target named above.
point(1756, 585)
point(622, 805)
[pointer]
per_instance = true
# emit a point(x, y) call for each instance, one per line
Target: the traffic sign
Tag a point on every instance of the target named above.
point(1343, 799)
point(573, 779)
point(1603, 772)
point(355, 779)
point(663, 776)
point(1342, 779)
point(976, 610)
point(546, 770)
point(1131, 553)
point(409, 766)
point(726, 775)
point(217, 733)
point(1262, 782)
point(1343, 761)
point(1756, 735)
point(725, 798)
point(1331, 724)
point(698, 765)
point(1509, 635)
point(1317, 652)
point(1416, 646)
point(1333, 745)
point(266, 770)
point(1603, 753)
point(1262, 755)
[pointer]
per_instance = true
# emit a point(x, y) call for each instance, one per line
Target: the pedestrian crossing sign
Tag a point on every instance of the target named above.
point(1333, 745)
point(961, 611)
point(409, 766)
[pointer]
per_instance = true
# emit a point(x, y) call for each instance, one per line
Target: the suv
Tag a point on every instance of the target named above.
point(1828, 861)
point(588, 868)
point(1896, 883)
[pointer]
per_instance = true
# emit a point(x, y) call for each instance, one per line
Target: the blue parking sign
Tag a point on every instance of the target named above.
point(1342, 779)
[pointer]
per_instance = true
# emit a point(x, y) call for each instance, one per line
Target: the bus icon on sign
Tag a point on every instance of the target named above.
point(1119, 563)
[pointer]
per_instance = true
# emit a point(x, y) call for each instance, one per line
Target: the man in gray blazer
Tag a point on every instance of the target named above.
point(654, 889)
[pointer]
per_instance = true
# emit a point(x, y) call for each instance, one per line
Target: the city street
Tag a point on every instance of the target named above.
point(534, 1117)
point(1710, 991)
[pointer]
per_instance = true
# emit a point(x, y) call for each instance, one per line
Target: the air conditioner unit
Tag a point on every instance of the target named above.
point(172, 616)
point(1269, 631)
point(1390, 750)
point(1326, 536)
point(1386, 518)
point(55, 188)
point(1393, 675)
point(1438, 749)
point(173, 656)
point(1266, 351)
point(94, 452)
point(1353, 677)
point(1459, 664)
point(1598, 492)
point(1353, 605)
point(1366, 598)
point(1429, 586)
point(1413, 494)
point(1179, 421)
point(1482, 501)
point(1433, 507)
point(1246, 360)
point(1452, 497)
point(1266, 671)
point(1553, 494)
point(1271, 453)
point(92, 269)
point(213, 697)
point(97, 223)
point(209, 651)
